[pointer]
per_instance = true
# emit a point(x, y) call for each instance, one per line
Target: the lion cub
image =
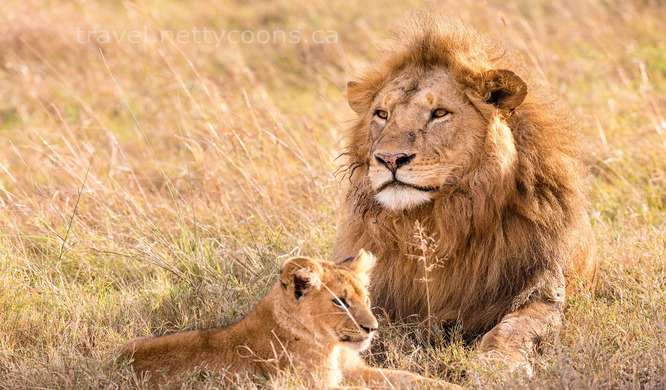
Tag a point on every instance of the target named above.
point(316, 318)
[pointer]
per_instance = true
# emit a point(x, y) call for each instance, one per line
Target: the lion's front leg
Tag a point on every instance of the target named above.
point(518, 332)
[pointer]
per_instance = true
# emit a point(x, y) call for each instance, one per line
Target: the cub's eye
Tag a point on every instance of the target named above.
point(340, 302)
point(382, 114)
point(440, 112)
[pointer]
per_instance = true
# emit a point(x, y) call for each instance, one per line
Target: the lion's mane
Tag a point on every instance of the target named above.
point(515, 222)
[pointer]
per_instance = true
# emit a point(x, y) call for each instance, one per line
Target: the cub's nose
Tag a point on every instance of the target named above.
point(394, 161)
point(368, 329)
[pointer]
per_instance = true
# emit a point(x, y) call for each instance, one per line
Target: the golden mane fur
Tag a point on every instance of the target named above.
point(511, 228)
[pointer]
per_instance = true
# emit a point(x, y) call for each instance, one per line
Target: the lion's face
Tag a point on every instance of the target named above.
point(332, 298)
point(424, 133)
point(423, 130)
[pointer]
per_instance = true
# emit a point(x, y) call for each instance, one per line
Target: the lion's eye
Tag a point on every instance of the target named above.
point(341, 302)
point(440, 112)
point(382, 114)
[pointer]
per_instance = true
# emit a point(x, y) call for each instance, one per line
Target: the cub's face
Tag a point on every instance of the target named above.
point(424, 133)
point(333, 298)
point(342, 308)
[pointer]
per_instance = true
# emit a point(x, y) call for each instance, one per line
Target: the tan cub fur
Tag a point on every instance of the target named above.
point(316, 318)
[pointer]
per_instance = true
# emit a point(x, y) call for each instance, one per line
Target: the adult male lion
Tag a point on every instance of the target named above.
point(449, 137)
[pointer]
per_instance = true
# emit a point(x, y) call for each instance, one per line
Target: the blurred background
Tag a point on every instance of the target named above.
point(159, 159)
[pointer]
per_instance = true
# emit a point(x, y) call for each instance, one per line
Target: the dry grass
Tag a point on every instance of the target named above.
point(154, 187)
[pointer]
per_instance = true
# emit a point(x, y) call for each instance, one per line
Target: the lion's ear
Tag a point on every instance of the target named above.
point(361, 265)
point(504, 89)
point(355, 97)
point(299, 275)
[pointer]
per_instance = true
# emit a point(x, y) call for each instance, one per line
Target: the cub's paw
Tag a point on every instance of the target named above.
point(408, 380)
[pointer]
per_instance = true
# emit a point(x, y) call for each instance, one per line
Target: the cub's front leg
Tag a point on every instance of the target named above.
point(355, 371)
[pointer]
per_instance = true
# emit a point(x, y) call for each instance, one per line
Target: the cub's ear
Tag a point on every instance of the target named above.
point(355, 97)
point(299, 275)
point(361, 265)
point(503, 89)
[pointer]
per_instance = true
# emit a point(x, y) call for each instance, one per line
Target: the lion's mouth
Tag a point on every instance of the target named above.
point(397, 183)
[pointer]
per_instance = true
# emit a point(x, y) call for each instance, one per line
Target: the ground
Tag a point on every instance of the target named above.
point(152, 182)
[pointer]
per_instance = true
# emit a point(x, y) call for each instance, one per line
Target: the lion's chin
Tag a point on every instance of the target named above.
point(399, 198)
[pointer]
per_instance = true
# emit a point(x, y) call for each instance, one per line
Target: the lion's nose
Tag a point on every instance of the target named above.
point(394, 161)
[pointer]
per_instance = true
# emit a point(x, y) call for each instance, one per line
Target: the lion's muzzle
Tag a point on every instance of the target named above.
point(394, 161)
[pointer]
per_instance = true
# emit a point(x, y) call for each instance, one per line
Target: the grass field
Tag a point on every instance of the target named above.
point(152, 183)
